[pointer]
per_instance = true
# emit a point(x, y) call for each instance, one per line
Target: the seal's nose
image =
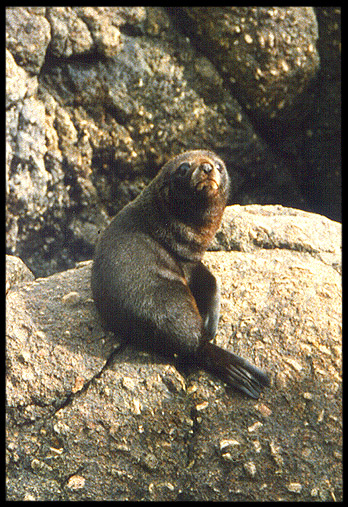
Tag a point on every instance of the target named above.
point(206, 168)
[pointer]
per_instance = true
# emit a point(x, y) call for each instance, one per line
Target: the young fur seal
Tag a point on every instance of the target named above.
point(149, 284)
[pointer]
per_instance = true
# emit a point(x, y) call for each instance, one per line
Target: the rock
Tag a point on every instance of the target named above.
point(28, 177)
point(16, 272)
point(268, 53)
point(82, 30)
point(90, 419)
point(247, 228)
point(16, 86)
point(19, 84)
point(27, 36)
point(70, 34)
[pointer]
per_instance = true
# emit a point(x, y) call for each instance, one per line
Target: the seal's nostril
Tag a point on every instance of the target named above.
point(207, 168)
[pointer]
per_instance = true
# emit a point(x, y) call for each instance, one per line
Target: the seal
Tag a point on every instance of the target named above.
point(148, 280)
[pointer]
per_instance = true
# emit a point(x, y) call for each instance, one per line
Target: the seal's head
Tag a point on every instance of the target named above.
point(197, 177)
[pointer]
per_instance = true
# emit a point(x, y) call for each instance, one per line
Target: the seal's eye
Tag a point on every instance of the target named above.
point(218, 167)
point(183, 169)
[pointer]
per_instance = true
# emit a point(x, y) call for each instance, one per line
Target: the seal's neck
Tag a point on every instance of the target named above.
point(185, 229)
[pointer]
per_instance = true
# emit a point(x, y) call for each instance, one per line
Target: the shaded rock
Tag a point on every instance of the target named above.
point(268, 53)
point(147, 91)
point(88, 419)
point(321, 145)
point(78, 30)
point(70, 35)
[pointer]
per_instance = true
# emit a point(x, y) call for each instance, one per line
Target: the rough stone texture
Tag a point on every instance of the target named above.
point(90, 420)
point(79, 30)
point(28, 34)
point(248, 228)
point(269, 53)
point(99, 97)
point(16, 272)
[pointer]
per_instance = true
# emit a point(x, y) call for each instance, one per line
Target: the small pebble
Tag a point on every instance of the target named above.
point(294, 487)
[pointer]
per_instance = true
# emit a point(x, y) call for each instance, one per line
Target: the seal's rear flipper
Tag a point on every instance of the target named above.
point(233, 370)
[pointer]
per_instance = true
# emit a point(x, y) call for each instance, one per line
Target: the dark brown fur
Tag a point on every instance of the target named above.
point(148, 281)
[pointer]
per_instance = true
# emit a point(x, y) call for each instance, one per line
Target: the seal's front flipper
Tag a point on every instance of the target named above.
point(232, 369)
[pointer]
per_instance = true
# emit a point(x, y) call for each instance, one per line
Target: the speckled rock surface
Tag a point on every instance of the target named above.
point(269, 53)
